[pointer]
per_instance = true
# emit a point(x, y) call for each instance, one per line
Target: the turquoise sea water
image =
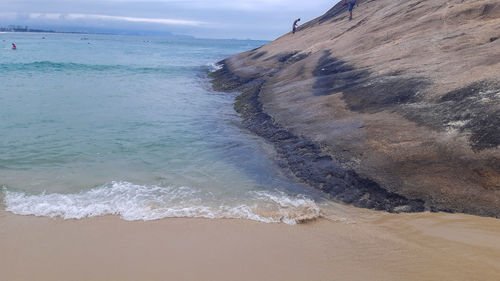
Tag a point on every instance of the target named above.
point(98, 124)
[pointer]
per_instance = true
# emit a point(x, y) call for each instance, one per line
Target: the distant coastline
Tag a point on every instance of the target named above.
point(12, 28)
point(26, 29)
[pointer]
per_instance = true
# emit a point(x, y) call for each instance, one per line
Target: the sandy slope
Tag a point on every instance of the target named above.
point(407, 94)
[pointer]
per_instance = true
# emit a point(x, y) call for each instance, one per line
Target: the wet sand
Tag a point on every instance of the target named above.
point(374, 246)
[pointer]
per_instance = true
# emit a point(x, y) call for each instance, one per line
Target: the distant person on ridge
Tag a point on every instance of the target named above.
point(295, 23)
point(351, 5)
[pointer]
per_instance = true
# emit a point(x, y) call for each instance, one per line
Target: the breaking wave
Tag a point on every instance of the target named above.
point(212, 67)
point(139, 202)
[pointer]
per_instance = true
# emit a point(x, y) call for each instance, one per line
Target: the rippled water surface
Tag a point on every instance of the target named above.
point(94, 124)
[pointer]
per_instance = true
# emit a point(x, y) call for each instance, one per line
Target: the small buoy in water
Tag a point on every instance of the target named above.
point(14, 46)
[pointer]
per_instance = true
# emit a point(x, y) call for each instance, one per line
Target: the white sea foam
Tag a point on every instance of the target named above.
point(214, 67)
point(138, 202)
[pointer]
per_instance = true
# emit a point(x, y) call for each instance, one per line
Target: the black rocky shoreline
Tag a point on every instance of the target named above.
point(303, 157)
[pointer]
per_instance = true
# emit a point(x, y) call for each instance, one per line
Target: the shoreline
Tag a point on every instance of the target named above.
point(422, 246)
point(377, 121)
point(304, 158)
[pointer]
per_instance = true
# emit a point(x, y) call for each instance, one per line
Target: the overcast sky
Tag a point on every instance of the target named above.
point(255, 19)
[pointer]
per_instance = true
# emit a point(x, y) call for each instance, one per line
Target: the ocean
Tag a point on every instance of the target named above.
point(96, 125)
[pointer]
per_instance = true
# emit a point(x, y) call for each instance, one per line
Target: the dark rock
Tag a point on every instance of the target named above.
point(305, 159)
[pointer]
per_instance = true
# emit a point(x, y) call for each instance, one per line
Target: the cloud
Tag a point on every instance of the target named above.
point(40, 16)
point(8, 16)
point(72, 17)
point(254, 5)
point(259, 19)
point(133, 19)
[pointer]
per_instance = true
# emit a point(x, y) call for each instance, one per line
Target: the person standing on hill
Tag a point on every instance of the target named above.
point(295, 23)
point(350, 5)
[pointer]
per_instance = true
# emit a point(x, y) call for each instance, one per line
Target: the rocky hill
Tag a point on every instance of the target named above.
point(397, 109)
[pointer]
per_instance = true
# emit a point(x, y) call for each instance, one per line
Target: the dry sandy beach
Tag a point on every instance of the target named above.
point(367, 246)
